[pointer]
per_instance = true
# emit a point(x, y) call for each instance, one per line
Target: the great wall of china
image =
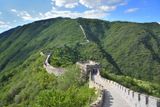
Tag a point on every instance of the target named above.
point(112, 94)
point(115, 90)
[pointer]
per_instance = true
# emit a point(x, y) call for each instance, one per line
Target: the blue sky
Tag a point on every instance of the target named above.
point(19, 12)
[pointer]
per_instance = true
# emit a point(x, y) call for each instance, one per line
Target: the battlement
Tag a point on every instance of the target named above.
point(88, 66)
point(130, 97)
point(134, 99)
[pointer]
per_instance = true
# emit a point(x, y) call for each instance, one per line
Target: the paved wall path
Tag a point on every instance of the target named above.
point(84, 33)
point(111, 98)
point(52, 70)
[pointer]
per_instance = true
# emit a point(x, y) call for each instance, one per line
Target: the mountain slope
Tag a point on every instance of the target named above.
point(136, 49)
point(123, 48)
point(30, 38)
point(130, 48)
point(23, 77)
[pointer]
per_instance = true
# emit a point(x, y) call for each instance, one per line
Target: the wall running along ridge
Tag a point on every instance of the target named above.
point(134, 99)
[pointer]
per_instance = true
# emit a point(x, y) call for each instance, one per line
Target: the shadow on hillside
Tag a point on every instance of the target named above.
point(95, 37)
point(146, 42)
point(110, 59)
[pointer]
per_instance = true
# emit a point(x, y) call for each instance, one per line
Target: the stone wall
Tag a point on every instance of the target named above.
point(133, 98)
point(99, 100)
point(52, 70)
point(87, 69)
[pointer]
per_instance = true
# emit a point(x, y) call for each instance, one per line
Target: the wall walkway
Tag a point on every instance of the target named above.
point(117, 95)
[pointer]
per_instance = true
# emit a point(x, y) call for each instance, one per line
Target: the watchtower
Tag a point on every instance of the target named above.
point(89, 67)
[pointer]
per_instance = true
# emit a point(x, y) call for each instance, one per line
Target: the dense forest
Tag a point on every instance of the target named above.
point(129, 53)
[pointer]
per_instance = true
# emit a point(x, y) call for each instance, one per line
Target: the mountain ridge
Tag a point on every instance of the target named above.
point(122, 48)
point(91, 27)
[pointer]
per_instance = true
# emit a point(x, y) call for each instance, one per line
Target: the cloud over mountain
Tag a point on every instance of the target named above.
point(63, 8)
point(4, 24)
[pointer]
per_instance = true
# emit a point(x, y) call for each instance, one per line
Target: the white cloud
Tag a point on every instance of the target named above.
point(94, 14)
point(71, 5)
point(131, 10)
point(107, 8)
point(95, 9)
point(99, 3)
point(85, 14)
point(65, 3)
point(4, 25)
point(123, 3)
point(96, 4)
point(90, 3)
point(57, 13)
point(23, 14)
point(13, 10)
point(113, 1)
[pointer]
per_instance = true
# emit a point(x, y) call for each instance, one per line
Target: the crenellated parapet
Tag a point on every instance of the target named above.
point(134, 99)
point(130, 97)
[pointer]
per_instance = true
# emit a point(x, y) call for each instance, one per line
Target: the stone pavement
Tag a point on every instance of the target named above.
point(111, 98)
point(52, 70)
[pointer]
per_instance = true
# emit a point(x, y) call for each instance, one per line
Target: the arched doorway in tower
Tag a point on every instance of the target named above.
point(94, 72)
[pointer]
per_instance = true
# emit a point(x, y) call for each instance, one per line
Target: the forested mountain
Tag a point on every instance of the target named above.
point(122, 48)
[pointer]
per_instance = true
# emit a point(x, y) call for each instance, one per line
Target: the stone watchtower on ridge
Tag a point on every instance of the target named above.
point(89, 67)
